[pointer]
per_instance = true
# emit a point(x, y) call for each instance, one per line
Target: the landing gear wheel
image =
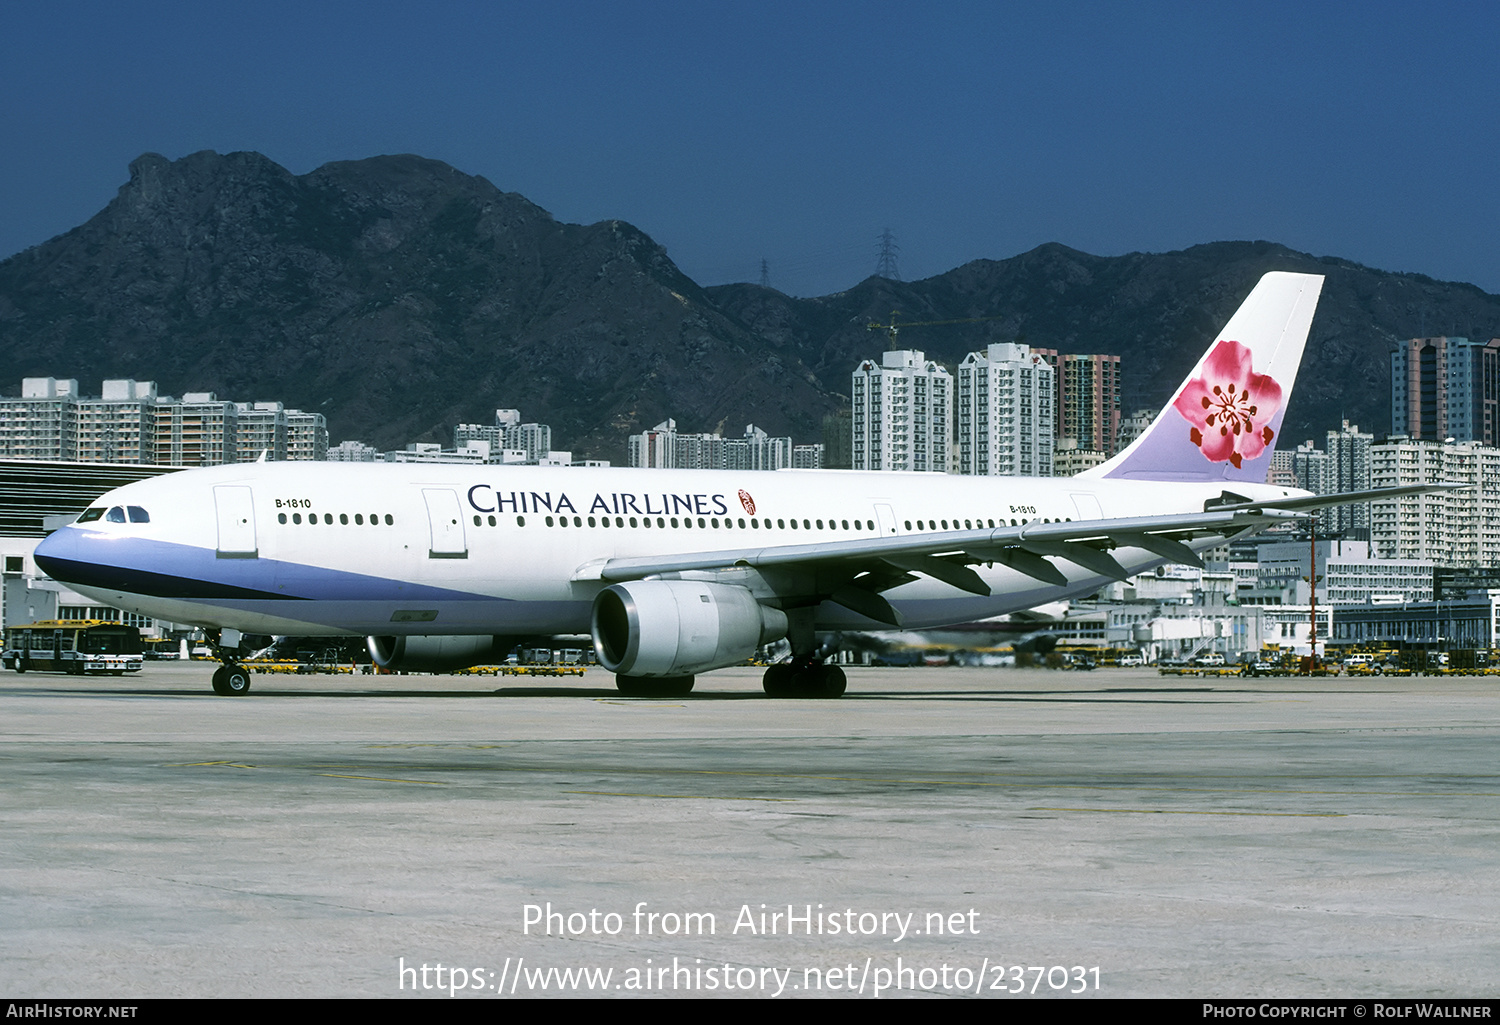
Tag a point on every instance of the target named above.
point(832, 683)
point(804, 680)
point(231, 680)
point(778, 681)
point(654, 686)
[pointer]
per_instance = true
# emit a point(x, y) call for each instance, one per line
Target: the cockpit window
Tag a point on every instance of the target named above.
point(90, 515)
point(115, 515)
point(137, 514)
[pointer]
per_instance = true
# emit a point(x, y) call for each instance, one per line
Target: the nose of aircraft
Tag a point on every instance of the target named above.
point(76, 556)
point(58, 553)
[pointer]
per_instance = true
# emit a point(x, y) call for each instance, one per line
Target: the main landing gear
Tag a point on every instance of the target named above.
point(231, 679)
point(807, 677)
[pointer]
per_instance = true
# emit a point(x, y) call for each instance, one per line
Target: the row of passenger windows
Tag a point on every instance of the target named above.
point(359, 519)
point(978, 524)
point(703, 522)
point(713, 523)
point(135, 514)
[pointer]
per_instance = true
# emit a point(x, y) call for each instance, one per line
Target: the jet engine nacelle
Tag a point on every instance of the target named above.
point(437, 653)
point(679, 627)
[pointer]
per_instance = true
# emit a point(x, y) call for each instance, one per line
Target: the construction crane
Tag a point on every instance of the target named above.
point(894, 327)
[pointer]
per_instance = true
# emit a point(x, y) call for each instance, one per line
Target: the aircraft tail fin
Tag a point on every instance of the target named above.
point(1224, 421)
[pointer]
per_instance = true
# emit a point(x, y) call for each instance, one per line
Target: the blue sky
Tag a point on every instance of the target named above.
point(795, 132)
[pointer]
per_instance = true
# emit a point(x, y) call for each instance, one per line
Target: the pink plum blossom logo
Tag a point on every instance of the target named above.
point(1230, 406)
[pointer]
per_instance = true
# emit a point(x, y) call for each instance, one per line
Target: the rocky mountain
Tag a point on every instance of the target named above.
point(1156, 311)
point(395, 295)
point(399, 296)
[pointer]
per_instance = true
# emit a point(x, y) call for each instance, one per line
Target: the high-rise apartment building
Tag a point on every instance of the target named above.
point(1460, 527)
point(1088, 401)
point(1006, 397)
point(838, 433)
point(119, 426)
point(306, 436)
point(1348, 469)
point(655, 449)
point(508, 433)
point(260, 428)
point(901, 413)
point(198, 431)
point(1132, 427)
point(130, 424)
point(664, 447)
point(41, 424)
point(1445, 388)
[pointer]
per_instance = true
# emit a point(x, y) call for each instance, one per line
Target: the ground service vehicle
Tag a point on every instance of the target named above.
point(83, 647)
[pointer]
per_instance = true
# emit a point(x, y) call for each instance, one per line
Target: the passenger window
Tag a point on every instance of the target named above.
point(115, 515)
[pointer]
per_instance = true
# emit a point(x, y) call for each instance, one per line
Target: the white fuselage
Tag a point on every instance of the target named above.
point(335, 548)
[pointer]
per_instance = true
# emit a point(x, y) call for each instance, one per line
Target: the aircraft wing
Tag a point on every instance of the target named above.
point(851, 572)
point(1310, 503)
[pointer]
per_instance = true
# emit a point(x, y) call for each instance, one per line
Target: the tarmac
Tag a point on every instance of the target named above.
point(936, 832)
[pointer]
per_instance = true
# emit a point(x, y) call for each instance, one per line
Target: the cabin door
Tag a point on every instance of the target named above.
point(446, 521)
point(236, 513)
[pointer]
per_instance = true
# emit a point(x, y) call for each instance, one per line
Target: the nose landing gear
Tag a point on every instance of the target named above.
point(231, 679)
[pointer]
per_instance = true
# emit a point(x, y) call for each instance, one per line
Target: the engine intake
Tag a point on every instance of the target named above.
point(436, 653)
point(679, 627)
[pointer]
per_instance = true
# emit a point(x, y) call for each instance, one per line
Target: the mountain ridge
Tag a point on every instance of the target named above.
point(399, 296)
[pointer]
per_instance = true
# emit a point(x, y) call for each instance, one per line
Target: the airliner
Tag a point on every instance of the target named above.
point(680, 572)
